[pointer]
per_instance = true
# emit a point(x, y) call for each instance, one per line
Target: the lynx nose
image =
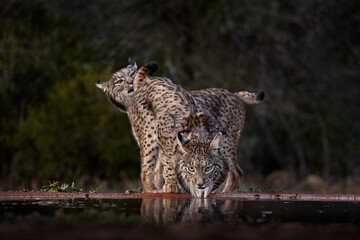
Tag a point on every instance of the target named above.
point(200, 185)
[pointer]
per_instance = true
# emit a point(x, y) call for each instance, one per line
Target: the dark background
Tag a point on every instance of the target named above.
point(56, 125)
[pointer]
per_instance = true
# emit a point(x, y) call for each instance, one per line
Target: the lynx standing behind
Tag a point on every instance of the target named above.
point(189, 139)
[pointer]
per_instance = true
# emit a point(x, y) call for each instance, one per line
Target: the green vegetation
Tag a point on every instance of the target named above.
point(95, 190)
point(55, 124)
point(55, 186)
point(136, 190)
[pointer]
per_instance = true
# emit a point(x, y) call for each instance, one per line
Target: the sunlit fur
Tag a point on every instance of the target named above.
point(201, 169)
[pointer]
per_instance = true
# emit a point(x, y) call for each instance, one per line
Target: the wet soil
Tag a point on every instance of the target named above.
point(24, 196)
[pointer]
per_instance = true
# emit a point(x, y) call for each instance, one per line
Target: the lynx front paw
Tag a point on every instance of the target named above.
point(171, 188)
point(149, 188)
point(233, 181)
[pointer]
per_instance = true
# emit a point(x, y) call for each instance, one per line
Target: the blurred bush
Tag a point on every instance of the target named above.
point(304, 54)
point(76, 134)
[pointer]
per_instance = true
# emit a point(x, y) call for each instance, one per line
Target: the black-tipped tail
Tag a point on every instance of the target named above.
point(260, 95)
point(250, 97)
point(152, 67)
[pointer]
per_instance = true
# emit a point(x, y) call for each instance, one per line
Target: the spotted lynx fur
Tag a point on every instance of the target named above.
point(227, 107)
point(188, 137)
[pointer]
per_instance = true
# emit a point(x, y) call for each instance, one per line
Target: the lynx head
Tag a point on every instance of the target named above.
point(119, 88)
point(201, 168)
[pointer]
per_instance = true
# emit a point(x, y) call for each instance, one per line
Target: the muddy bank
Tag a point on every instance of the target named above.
point(33, 196)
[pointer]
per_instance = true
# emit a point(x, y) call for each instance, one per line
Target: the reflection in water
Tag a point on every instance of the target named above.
point(195, 210)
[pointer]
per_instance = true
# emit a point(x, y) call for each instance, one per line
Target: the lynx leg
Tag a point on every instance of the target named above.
point(170, 184)
point(147, 180)
point(158, 174)
point(234, 179)
point(149, 155)
point(235, 173)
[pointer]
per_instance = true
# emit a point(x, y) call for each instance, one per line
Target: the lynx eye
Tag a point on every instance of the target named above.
point(190, 169)
point(119, 81)
point(209, 169)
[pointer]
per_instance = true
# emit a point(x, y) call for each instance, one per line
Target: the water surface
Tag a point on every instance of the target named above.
point(192, 211)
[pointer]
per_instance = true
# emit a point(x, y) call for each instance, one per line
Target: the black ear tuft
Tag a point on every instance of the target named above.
point(260, 95)
point(152, 67)
point(224, 133)
point(131, 62)
point(183, 140)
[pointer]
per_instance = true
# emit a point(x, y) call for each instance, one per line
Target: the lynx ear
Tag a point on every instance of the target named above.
point(132, 62)
point(100, 85)
point(132, 66)
point(216, 143)
point(183, 141)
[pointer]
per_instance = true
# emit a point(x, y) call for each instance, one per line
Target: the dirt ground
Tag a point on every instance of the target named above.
point(31, 196)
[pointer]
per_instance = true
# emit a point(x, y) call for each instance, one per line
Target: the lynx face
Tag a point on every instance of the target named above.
point(119, 88)
point(201, 169)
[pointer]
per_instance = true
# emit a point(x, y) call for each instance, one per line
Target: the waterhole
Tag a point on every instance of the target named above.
point(169, 211)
